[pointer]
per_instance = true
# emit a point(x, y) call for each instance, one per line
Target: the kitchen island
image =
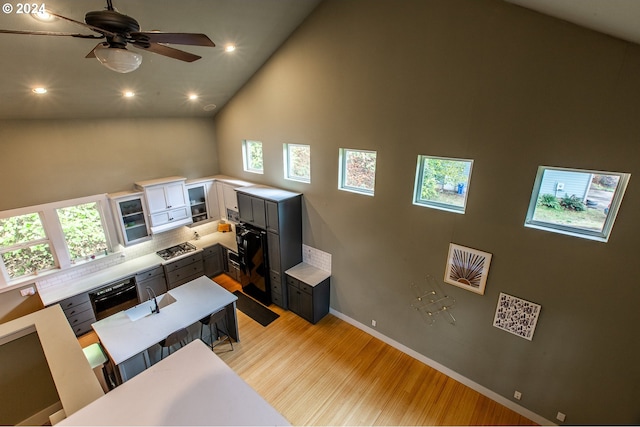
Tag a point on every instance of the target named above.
point(193, 386)
point(127, 335)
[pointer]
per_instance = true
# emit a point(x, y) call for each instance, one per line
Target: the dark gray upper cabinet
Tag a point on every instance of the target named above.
point(280, 213)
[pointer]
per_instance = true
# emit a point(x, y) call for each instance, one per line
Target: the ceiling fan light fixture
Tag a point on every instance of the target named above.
point(119, 60)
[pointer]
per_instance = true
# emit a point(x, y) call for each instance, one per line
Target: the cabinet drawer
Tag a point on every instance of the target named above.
point(305, 288)
point(176, 265)
point(277, 299)
point(276, 287)
point(82, 328)
point(81, 318)
point(73, 301)
point(275, 277)
point(195, 269)
point(211, 251)
point(293, 282)
point(77, 309)
point(149, 274)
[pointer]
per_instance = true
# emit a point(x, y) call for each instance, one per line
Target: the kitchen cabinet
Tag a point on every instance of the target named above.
point(227, 201)
point(307, 301)
point(212, 259)
point(252, 210)
point(79, 313)
point(130, 214)
point(183, 270)
point(203, 201)
point(282, 218)
point(154, 279)
point(166, 201)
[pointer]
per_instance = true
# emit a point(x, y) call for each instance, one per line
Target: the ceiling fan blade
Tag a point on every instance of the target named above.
point(84, 24)
point(51, 33)
point(168, 51)
point(193, 39)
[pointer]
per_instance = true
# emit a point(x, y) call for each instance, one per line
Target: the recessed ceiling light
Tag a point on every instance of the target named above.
point(42, 15)
point(39, 90)
point(129, 94)
point(193, 97)
point(230, 48)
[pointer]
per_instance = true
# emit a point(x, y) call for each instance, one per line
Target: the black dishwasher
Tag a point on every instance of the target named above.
point(114, 298)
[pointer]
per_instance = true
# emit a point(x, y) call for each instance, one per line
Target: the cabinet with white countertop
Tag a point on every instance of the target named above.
point(184, 270)
point(131, 217)
point(308, 290)
point(166, 201)
point(154, 279)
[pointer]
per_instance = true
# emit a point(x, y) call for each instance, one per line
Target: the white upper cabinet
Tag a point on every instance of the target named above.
point(167, 202)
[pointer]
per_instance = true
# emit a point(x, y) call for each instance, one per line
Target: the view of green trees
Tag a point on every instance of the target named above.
point(254, 155)
point(299, 166)
point(440, 180)
point(26, 248)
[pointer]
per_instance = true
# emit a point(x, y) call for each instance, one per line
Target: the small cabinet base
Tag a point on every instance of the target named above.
point(309, 302)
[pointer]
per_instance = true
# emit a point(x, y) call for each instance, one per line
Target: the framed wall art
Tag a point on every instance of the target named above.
point(516, 316)
point(467, 268)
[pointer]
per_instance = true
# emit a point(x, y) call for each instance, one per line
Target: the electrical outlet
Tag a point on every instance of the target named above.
point(561, 417)
point(27, 291)
point(374, 323)
point(517, 395)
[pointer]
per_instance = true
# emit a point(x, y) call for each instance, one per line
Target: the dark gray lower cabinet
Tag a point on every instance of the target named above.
point(154, 279)
point(213, 260)
point(184, 270)
point(309, 302)
point(79, 313)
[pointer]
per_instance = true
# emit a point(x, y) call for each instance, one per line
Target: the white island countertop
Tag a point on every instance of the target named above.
point(192, 386)
point(124, 338)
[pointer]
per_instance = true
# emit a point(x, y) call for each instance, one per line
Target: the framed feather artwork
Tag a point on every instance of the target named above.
point(467, 268)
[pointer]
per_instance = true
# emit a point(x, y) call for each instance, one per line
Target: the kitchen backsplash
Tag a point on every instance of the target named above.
point(159, 241)
point(316, 258)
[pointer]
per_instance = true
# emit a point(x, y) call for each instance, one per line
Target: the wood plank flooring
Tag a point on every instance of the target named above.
point(332, 373)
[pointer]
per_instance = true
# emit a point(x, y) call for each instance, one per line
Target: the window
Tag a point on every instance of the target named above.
point(297, 162)
point(25, 246)
point(83, 230)
point(45, 238)
point(357, 171)
point(442, 183)
point(580, 203)
point(252, 156)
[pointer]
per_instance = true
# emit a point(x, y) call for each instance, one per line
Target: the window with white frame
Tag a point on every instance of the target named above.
point(252, 156)
point(297, 162)
point(41, 239)
point(357, 171)
point(576, 202)
point(442, 183)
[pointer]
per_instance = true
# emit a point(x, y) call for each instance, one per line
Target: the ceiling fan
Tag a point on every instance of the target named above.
point(120, 30)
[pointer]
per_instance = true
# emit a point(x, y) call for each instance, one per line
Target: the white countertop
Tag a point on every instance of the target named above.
point(54, 294)
point(75, 381)
point(123, 338)
point(308, 274)
point(192, 386)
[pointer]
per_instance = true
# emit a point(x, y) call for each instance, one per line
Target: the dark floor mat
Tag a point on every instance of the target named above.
point(254, 309)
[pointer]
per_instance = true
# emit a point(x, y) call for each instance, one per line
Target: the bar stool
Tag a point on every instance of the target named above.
point(219, 321)
point(97, 360)
point(177, 337)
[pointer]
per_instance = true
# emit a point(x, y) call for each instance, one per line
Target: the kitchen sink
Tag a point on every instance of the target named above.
point(144, 309)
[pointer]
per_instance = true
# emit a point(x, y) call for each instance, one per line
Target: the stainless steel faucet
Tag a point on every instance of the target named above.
point(152, 294)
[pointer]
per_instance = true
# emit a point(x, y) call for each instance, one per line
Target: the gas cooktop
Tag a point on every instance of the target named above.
point(175, 251)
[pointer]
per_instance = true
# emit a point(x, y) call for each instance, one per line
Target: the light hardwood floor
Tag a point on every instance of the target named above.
point(332, 373)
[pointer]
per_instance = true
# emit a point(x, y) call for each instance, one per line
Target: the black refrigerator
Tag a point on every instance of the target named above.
point(254, 270)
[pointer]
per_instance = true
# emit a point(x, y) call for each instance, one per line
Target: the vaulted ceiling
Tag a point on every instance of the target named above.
point(79, 87)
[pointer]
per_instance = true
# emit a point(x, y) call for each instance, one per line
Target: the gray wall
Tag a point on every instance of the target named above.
point(52, 160)
point(478, 79)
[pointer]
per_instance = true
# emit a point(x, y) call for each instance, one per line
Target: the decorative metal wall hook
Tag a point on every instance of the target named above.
point(429, 303)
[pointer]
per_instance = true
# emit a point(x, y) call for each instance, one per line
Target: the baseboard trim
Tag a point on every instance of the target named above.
point(42, 417)
point(449, 372)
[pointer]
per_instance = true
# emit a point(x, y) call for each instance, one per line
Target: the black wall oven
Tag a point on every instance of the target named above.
point(114, 298)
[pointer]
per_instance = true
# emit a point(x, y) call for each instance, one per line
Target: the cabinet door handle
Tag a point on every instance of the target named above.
point(169, 207)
